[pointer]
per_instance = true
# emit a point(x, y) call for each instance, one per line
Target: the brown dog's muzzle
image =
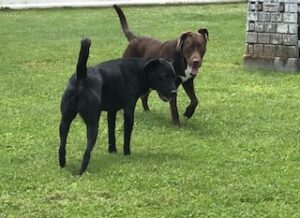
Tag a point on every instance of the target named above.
point(195, 64)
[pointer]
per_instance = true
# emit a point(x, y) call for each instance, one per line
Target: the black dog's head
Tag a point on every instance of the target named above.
point(161, 77)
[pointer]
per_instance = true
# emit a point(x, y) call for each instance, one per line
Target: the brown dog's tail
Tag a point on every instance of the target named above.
point(129, 35)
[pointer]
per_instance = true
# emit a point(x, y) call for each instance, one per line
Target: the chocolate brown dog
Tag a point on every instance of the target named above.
point(186, 52)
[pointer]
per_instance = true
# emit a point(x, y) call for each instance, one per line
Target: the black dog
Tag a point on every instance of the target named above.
point(110, 86)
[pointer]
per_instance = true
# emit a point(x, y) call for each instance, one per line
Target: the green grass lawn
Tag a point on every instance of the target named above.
point(238, 156)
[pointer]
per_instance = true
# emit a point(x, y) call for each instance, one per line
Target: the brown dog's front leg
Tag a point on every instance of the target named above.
point(190, 91)
point(174, 111)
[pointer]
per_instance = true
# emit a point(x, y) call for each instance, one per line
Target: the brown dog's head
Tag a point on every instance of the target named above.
point(192, 46)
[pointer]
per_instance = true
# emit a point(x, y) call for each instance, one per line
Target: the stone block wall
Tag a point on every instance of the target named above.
point(272, 38)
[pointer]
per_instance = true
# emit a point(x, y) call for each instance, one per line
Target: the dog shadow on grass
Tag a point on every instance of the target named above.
point(195, 126)
point(103, 163)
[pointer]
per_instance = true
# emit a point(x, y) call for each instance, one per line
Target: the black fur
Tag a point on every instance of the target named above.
point(110, 86)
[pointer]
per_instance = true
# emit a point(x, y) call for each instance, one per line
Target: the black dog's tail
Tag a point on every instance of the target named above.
point(129, 35)
point(81, 69)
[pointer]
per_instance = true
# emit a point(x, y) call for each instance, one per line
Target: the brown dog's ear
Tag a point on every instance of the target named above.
point(181, 40)
point(204, 32)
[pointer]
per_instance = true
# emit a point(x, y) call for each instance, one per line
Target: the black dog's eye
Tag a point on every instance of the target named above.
point(170, 75)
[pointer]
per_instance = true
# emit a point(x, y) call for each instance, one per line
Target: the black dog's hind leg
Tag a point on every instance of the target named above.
point(111, 120)
point(68, 114)
point(92, 125)
point(128, 125)
point(63, 132)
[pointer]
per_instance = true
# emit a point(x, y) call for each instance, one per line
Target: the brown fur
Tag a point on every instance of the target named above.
point(187, 51)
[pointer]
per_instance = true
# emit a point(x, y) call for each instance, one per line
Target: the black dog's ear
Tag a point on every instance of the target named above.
point(180, 41)
point(151, 64)
point(204, 32)
point(169, 60)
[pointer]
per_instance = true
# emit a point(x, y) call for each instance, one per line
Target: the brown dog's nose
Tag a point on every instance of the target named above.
point(196, 63)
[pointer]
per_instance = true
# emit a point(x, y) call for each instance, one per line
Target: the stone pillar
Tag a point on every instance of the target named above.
point(272, 35)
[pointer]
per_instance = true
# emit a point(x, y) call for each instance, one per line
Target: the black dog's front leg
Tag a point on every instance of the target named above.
point(174, 111)
point(111, 119)
point(173, 106)
point(128, 125)
point(190, 91)
point(144, 100)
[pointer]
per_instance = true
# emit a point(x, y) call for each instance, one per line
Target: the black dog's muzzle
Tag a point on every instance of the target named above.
point(173, 93)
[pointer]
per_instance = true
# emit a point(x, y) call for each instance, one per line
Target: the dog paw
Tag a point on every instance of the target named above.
point(112, 150)
point(189, 112)
point(176, 123)
point(127, 153)
point(147, 109)
point(62, 163)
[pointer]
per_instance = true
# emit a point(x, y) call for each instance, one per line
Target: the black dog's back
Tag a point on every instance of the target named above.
point(120, 82)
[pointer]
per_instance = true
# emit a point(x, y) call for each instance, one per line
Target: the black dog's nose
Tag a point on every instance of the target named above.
point(174, 92)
